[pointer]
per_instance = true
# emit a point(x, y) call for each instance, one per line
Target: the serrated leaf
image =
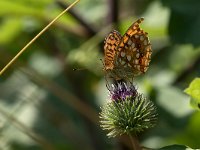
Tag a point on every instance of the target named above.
point(194, 91)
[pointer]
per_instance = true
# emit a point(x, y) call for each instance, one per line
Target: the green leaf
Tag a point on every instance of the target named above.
point(16, 8)
point(194, 91)
point(9, 30)
point(175, 147)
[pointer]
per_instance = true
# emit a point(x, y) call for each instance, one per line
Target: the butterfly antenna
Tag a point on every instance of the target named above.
point(105, 76)
point(104, 66)
point(107, 83)
point(132, 80)
point(79, 69)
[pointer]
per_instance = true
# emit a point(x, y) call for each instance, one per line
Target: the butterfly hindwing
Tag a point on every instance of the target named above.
point(111, 43)
point(134, 49)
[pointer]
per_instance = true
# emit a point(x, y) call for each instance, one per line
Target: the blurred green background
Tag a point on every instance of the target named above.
point(44, 104)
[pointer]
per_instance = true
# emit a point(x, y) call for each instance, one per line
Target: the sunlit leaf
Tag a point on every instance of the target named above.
point(15, 8)
point(194, 91)
point(9, 30)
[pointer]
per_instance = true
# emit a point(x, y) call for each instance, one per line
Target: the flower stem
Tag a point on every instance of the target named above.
point(134, 142)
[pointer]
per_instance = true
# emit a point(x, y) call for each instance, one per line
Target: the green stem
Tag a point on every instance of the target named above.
point(134, 142)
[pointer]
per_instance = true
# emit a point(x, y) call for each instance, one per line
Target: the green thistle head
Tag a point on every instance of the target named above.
point(128, 112)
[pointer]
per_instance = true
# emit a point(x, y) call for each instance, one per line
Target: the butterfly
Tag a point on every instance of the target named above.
point(129, 55)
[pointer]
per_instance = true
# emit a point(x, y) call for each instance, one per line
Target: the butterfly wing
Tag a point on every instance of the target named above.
point(111, 43)
point(134, 50)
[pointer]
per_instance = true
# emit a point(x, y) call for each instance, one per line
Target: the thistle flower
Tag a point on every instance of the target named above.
point(121, 91)
point(128, 112)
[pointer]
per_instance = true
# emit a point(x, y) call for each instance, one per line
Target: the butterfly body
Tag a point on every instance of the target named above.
point(129, 55)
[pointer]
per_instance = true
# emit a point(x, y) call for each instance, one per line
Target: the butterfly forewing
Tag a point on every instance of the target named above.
point(111, 43)
point(134, 50)
point(127, 56)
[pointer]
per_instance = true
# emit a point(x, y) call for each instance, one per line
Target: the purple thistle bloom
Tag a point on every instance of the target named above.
point(122, 91)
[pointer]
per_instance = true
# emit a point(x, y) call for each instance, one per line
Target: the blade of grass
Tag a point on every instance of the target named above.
point(38, 35)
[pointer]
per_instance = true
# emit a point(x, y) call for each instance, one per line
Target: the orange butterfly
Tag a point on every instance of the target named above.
point(127, 56)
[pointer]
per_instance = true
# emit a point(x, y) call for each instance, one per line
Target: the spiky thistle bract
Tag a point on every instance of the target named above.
point(127, 112)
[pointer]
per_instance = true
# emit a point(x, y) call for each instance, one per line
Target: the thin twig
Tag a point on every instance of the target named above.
point(113, 14)
point(38, 35)
point(89, 28)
